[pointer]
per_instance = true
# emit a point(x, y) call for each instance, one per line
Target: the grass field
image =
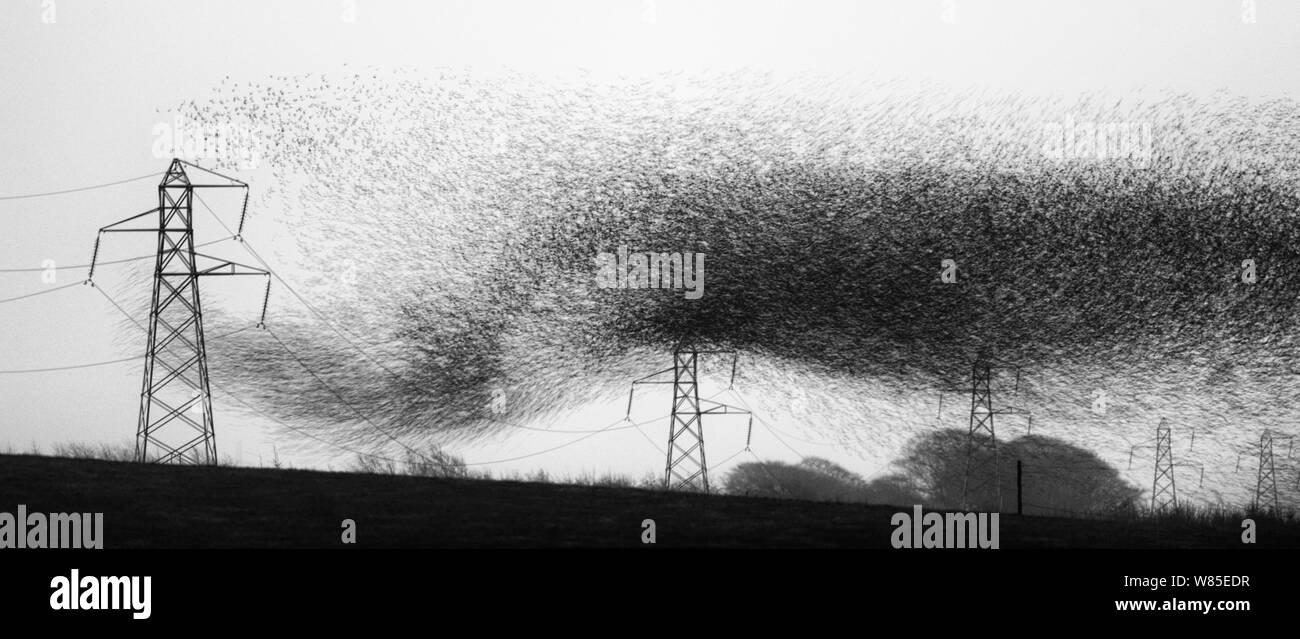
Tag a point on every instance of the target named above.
point(186, 507)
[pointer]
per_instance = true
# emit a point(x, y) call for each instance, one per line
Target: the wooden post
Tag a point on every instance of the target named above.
point(1020, 504)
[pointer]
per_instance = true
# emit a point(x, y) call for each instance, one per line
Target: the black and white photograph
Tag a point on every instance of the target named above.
point(320, 311)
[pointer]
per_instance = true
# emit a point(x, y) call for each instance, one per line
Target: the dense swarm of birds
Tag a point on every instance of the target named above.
point(447, 225)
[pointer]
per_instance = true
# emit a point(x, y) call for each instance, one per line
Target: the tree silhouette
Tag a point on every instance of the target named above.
point(1059, 478)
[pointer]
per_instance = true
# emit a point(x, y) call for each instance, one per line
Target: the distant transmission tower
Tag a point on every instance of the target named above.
point(982, 478)
point(687, 467)
point(982, 459)
point(175, 423)
point(1163, 492)
point(1265, 484)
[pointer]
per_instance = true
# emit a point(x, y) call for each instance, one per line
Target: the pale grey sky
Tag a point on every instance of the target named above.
point(85, 82)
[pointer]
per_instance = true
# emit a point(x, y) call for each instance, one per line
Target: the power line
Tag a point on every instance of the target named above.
point(347, 337)
point(776, 483)
point(300, 431)
point(340, 397)
point(746, 405)
point(215, 216)
point(362, 415)
point(70, 367)
point(562, 431)
point(582, 431)
point(44, 292)
point(106, 362)
point(236, 182)
point(651, 441)
point(138, 325)
point(1032, 465)
point(480, 463)
point(78, 189)
point(725, 461)
point(564, 445)
point(390, 371)
point(121, 261)
point(126, 314)
point(762, 423)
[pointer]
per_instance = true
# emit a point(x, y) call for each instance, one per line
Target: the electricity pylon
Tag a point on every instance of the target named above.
point(1163, 491)
point(1265, 498)
point(1265, 483)
point(982, 459)
point(687, 467)
point(982, 477)
point(175, 344)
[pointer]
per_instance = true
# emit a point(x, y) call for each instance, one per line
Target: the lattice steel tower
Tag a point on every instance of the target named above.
point(1163, 491)
point(981, 484)
point(1265, 484)
point(175, 422)
point(982, 460)
point(687, 467)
